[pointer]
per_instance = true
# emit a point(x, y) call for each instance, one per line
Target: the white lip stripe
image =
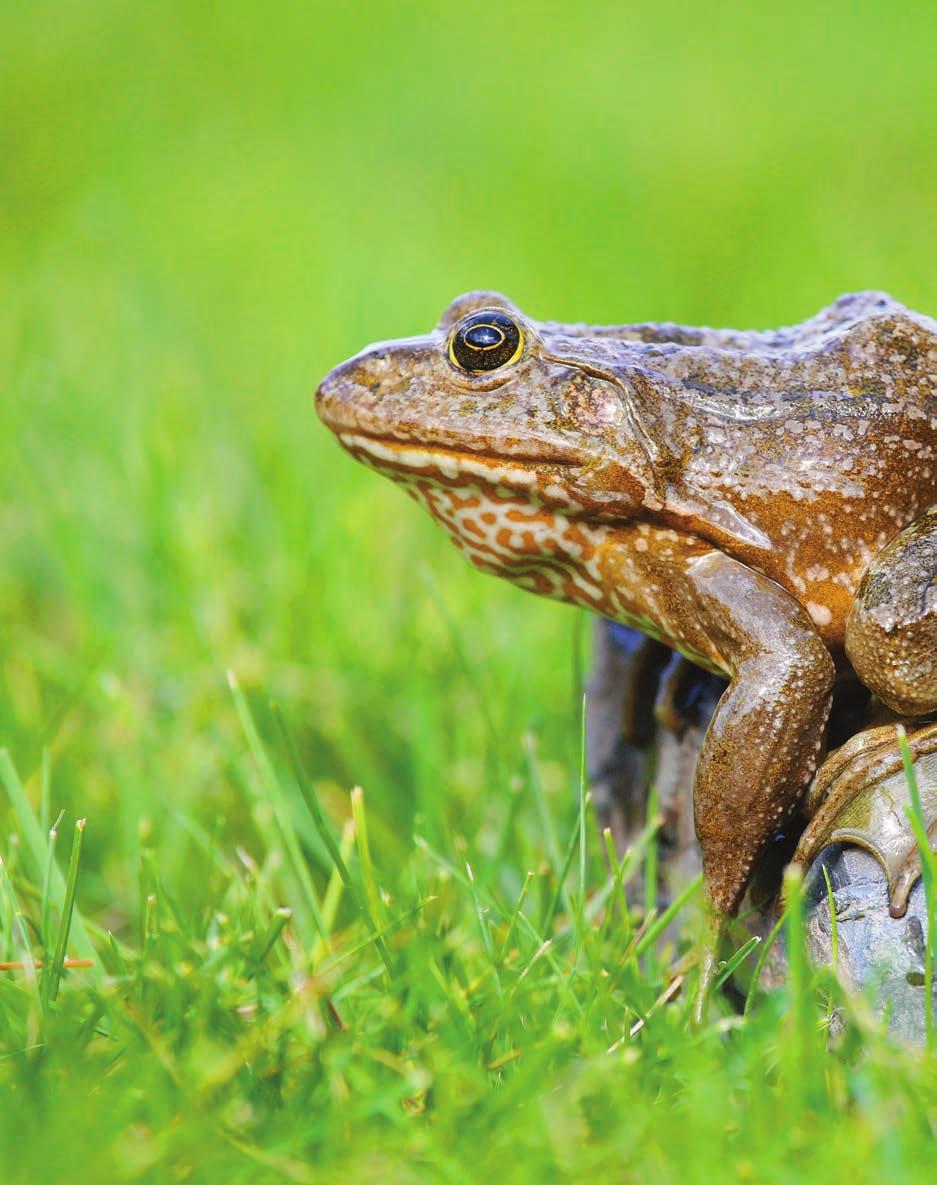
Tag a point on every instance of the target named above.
point(417, 458)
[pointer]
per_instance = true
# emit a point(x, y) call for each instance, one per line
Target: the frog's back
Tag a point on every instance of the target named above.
point(865, 348)
point(886, 352)
point(853, 318)
point(848, 316)
point(821, 437)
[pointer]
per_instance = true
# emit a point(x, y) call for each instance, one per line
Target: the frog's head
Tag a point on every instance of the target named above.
point(492, 397)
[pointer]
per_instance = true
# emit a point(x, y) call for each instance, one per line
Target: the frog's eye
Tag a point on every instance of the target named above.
point(485, 341)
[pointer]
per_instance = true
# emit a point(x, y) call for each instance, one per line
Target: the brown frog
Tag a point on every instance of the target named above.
point(761, 502)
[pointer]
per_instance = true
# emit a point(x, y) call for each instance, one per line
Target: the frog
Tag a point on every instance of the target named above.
point(761, 503)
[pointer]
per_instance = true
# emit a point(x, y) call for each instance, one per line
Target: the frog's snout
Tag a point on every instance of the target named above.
point(326, 395)
point(323, 395)
point(371, 391)
point(340, 394)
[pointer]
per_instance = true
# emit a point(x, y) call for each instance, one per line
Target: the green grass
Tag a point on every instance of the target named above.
point(203, 208)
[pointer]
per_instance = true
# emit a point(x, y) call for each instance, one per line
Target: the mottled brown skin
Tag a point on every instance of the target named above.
point(755, 500)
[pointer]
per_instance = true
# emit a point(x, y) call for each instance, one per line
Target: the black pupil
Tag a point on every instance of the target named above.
point(483, 337)
point(485, 341)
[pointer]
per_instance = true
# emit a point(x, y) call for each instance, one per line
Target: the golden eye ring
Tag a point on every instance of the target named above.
point(486, 340)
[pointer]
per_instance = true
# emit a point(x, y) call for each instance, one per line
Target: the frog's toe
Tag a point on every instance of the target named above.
point(861, 796)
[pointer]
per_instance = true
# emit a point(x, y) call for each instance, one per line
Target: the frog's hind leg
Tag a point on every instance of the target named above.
point(861, 795)
point(891, 633)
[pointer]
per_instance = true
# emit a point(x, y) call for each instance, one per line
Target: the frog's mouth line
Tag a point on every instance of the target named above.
point(453, 464)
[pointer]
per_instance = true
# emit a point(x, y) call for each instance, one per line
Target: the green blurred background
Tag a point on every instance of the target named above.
point(203, 207)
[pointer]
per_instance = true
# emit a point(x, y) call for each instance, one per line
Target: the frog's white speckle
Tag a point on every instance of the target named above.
point(820, 614)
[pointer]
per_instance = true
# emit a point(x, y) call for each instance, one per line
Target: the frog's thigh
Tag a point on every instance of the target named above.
point(764, 740)
point(891, 633)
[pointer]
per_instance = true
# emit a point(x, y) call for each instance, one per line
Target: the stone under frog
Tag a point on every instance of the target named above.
point(763, 503)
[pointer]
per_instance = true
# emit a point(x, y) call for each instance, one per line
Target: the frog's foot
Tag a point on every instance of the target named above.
point(861, 796)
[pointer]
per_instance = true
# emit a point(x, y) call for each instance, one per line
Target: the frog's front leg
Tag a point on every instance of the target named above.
point(764, 740)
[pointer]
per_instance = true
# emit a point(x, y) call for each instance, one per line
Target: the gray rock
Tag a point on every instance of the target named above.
point(880, 955)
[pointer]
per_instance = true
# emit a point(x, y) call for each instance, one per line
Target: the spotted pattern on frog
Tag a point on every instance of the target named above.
point(754, 499)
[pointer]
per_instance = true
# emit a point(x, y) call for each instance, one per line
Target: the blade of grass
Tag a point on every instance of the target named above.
point(541, 950)
point(36, 841)
point(45, 915)
point(394, 924)
point(651, 888)
point(928, 875)
point(653, 931)
point(38, 964)
point(760, 962)
point(653, 822)
point(20, 937)
point(582, 807)
point(483, 927)
point(280, 808)
point(543, 810)
point(512, 921)
point(337, 883)
point(280, 921)
point(45, 790)
point(559, 892)
point(522, 920)
point(372, 895)
point(625, 926)
point(629, 864)
point(801, 1020)
point(339, 858)
point(365, 907)
point(53, 979)
point(119, 960)
point(732, 964)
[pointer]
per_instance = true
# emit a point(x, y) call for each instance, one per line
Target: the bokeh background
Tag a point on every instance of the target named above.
point(203, 207)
